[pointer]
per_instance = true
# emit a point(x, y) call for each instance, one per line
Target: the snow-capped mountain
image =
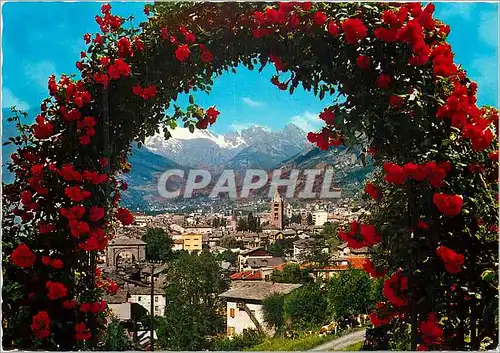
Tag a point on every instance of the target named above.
point(252, 147)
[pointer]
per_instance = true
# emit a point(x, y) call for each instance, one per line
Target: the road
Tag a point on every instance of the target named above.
point(341, 342)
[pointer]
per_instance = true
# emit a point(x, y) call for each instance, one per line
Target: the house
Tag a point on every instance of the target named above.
point(142, 296)
point(119, 305)
point(343, 250)
point(201, 229)
point(178, 244)
point(335, 267)
point(303, 247)
point(193, 241)
point(320, 217)
point(244, 304)
point(177, 228)
point(254, 253)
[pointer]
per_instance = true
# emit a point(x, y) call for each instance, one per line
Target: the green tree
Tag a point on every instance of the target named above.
point(247, 339)
point(115, 338)
point(330, 234)
point(227, 255)
point(192, 314)
point(291, 273)
point(274, 311)
point(309, 219)
point(306, 307)
point(242, 225)
point(351, 293)
point(276, 249)
point(158, 245)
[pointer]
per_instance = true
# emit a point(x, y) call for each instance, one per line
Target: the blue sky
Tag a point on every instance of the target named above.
point(44, 38)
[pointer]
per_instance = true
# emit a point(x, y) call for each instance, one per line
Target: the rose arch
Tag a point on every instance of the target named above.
point(432, 225)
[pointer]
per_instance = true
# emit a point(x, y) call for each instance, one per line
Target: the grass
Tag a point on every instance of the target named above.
point(353, 347)
point(301, 343)
point(298, 344)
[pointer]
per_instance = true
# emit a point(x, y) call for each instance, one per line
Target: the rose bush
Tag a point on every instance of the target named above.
point(432, 221)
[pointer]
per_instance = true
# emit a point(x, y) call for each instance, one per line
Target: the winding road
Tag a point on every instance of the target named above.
point(341, 342)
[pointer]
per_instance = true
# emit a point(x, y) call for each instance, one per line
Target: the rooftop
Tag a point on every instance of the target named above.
point(122, 240)
point(259, 263)
point(257, 290)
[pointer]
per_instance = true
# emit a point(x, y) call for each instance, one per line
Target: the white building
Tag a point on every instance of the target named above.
point(320, 217)
point(244, 304)
point(142, 296)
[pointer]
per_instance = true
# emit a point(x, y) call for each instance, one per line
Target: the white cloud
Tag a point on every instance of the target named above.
point(488, 28)
point(9, 99)
point(251, 102)
point(307, 121)
point(39, 72)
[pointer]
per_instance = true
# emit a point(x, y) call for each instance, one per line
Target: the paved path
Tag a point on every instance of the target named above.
point(341, 342)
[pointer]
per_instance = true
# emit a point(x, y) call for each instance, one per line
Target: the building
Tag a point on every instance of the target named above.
point(142, 296)
point(255, 253)
point(303, 247)
point(335, 267)
point(320, 217)
point(200, 228)
point(244, 304)
point(192, 241)
point(178, 244)
point(277, 211)
point(119, 305)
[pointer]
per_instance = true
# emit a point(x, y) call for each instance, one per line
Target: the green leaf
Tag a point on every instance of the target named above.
point(191, 128)
point(488, 275)
point(191, 99)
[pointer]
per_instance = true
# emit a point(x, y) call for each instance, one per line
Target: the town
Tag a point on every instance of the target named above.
point(254, 254)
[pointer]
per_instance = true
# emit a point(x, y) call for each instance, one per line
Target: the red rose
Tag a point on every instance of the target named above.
point(320, 18)
point(96, 213)
point(395, 101)
point(56, 290)
point(373, 191)
point(212, 114)
point(449, 205)
point(395, 289)
point(124, 47)
point(182, 52)
point(75, 212)
point(453, 261)
point(369, 234)
point(363, 62)
point(42, 129)
point(78, 229)
point(328, 116)
point(384, 81)
point(333, 29)
point(493, 155)
point(57, 263)
point(422, 224)
point(81, 333)
point(431, 331)
point(354, 30)
point(395, 174)
point(124, 216)
point(44, 228)
point(206, 56)
point(76, 194)
point(85, 307)
point(69, 304)
point(40, 325)
point(189, 38)
point(22, 256)
point(371, 270)
point(415, 171)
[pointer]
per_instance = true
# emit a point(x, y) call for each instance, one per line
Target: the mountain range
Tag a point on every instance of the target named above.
point(252, 148)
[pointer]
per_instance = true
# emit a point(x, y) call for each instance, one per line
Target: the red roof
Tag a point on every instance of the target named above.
point(354, 262)
point(247, 275)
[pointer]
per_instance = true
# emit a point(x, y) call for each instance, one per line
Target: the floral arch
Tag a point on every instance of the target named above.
point(433, 220)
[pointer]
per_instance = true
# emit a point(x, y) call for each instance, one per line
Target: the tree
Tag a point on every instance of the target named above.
point(330, 234)
point(228, 242)
point(306, 307)
point(276, 249)
point(310, 219)
point(274, 311)
point(351, 293)
point(247, 339)
point(115, 337)
point(291, 273)
point(192, 314)
point(228, 256)
point(158, 245)
point(242, 225)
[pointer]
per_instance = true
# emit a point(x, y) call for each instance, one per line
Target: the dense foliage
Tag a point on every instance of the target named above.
point(434, 210)
point(306, 307)
point(193, 313)
point(247, 339)
point(158, 245)
point(351, 293)
point(273, 311)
